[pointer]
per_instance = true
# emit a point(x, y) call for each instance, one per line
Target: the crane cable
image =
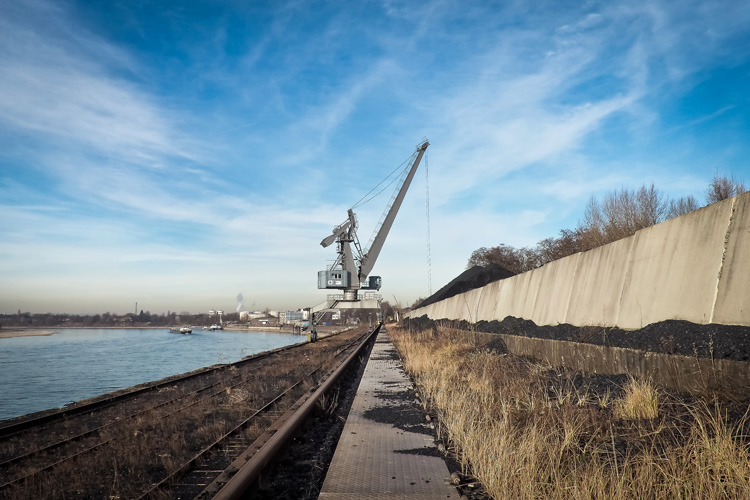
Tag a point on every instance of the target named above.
point(429, 252)
point(401, 166)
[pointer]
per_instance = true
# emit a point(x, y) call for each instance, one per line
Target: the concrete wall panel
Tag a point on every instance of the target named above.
point(446, 308)
point(597, 287)
point(505, 298)
point(488, 302)
point(522, 300)
point(674, 268)
point(555, 283)
point(471, 304)
point(733, 291)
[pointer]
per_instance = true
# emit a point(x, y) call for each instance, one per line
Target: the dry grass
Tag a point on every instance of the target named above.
point(528, 432)
point(640, 401)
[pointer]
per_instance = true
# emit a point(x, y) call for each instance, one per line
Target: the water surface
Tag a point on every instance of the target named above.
point(38, 373)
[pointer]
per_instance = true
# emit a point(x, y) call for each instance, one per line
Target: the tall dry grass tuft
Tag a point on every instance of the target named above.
point(528, 432)
point(640, 401)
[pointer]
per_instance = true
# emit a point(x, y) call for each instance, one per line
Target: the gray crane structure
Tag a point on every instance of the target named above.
point(350, 272)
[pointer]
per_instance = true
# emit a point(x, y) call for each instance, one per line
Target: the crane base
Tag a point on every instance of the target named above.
point(369, 301)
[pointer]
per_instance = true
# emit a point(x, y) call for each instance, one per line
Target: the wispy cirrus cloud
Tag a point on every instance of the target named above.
point(71, 86)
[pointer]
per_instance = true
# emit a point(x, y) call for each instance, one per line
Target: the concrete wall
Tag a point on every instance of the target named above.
point(695, 267)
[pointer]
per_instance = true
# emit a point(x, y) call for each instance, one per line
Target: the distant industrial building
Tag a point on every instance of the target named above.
point(247, 315)
point(291, 317)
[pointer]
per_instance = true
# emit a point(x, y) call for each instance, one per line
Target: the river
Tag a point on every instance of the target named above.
point(39, 373)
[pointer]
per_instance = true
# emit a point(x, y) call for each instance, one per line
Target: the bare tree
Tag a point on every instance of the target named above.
point(651, 207)
point(620, 214)
point(682, 206)
point(723, 187)
point(503, 255)
point(478, 258)
point(592, 228)
point(387, 309)
point(569, 243)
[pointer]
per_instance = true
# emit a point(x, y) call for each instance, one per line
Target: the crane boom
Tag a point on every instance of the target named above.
point(368, 260)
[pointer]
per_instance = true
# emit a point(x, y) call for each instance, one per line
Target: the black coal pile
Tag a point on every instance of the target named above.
point(475, 277)
point(669, 337)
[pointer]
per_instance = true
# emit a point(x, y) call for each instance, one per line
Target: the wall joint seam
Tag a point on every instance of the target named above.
point(723, 258)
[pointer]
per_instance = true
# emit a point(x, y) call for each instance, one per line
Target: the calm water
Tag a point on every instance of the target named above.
point(38, 373)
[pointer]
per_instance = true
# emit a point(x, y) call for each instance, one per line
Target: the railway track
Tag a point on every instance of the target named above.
point(165, 440)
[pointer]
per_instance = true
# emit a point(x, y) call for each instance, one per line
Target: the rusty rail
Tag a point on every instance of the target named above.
point(232, 485)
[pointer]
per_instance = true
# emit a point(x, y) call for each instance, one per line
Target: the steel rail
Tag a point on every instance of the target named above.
point(236, 480)
point(55, 464)
point(190, 463)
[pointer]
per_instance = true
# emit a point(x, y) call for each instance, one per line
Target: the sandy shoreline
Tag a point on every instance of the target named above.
point(9, 333)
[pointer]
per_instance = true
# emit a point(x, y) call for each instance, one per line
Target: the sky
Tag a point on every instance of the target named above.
point(179, 155)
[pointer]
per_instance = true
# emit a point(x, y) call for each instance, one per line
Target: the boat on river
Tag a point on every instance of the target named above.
point(182, 329)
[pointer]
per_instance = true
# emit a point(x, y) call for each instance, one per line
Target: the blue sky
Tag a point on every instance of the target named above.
point(176, 154)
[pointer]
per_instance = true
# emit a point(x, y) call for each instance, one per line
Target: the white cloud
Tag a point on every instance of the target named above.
point(64, 87)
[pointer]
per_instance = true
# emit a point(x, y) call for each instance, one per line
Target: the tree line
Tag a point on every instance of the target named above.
point(145, 318)
point(618, 215)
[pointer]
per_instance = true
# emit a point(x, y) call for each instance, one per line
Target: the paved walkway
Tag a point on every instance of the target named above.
point(386, 450)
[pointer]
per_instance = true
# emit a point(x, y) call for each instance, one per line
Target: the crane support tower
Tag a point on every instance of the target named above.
point(350, 272)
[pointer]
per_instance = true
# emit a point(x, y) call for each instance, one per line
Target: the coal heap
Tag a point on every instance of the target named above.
point(474, 277)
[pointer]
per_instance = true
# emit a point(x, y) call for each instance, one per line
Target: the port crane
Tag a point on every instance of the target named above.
point(350, 272)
